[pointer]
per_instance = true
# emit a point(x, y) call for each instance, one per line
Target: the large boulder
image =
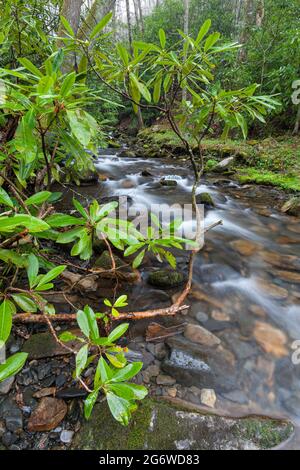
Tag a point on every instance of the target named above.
point(205, 199)
point(292, 206)
point(158, 425)
point(224, 165)
point(193, 363)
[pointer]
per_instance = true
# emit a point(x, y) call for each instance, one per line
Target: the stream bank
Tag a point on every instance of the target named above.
point(271, 161)
point(233, 347)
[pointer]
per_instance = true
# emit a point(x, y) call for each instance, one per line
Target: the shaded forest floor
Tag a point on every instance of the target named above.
point(272, 161)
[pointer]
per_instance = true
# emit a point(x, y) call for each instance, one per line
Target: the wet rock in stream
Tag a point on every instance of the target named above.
point(47, 416)
point(43, 345)
point(166, 279)
point(194, 364)
point(206, 199)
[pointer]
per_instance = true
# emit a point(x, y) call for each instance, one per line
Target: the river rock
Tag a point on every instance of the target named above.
point(258, 310)
point(66, 436)
point(285, 240)
point(165, 380)
point(205, 199)
point(6, 385)
point(14, 420)
point(104, 261)
point(194, 364)
point(47, 416)
point(288, 276)
point(42, 345)
point(71, 392)
point(198, 334)
point(281, 261)
point(201, 317)
point(244, 247)
point(225, 164)
point(128, 184)
point(44, 392)
point(271, 339)
point(87, 283)
point(152, 371)
point(186, 430)
point(165, 279)
point(89, 179)
point(208, 397)
point(292, 206)
point(159, 351)
point(127, 154)
point(146, 173)
point(168, 182)
point(220, 316)
point(272, 290)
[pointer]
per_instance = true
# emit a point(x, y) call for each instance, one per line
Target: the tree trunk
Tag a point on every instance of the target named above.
point(244, 34)
point(260, 13)
point(129, 28)
point(297, 123)
point(136, 14)
point(186, 32)
point(71, 11)
point(141, 15)
point(98, 10)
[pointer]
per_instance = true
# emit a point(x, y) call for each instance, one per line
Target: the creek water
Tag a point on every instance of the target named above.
point(249, 271)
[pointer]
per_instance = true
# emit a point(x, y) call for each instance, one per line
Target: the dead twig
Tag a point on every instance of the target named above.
point(70, 317)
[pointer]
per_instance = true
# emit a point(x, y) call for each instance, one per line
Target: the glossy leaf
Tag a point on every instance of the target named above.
point(96, 30)
point(117, 332)
point(127, 373)
point(25, 302)
point(7, 309)
point(38, 198)
point(12, 365)
point(89, 403)
point(5, 199)
point(32, 269)
point(81, 359)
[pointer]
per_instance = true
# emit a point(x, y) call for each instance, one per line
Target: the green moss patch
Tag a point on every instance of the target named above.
point(286, 182)
point(159, 425)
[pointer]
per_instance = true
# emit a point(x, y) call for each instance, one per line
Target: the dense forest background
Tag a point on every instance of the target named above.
point(268, 31)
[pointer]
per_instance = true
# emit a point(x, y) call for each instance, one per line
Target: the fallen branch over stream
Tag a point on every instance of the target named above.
point(163, 312)
point(70, 317)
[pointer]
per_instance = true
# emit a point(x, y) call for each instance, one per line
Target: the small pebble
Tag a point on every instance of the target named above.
point(208, 397)
point(66, 436)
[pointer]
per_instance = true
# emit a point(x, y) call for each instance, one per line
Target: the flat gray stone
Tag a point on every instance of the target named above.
point(6, 385)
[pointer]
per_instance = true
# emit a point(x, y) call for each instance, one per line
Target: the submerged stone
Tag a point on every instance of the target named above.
point(158, 425)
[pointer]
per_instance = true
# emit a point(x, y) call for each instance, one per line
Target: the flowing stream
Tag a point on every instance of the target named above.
point(249, 269)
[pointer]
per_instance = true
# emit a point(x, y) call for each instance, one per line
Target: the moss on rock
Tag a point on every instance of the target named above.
point(159, 425)
point(292, 206)
point(165, 279)
point(104, 261)
point(206, 199)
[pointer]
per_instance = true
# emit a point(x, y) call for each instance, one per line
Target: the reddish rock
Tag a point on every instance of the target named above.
point(198, 334)
point(47, 416)
point(272, 340)
point(244, 247)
